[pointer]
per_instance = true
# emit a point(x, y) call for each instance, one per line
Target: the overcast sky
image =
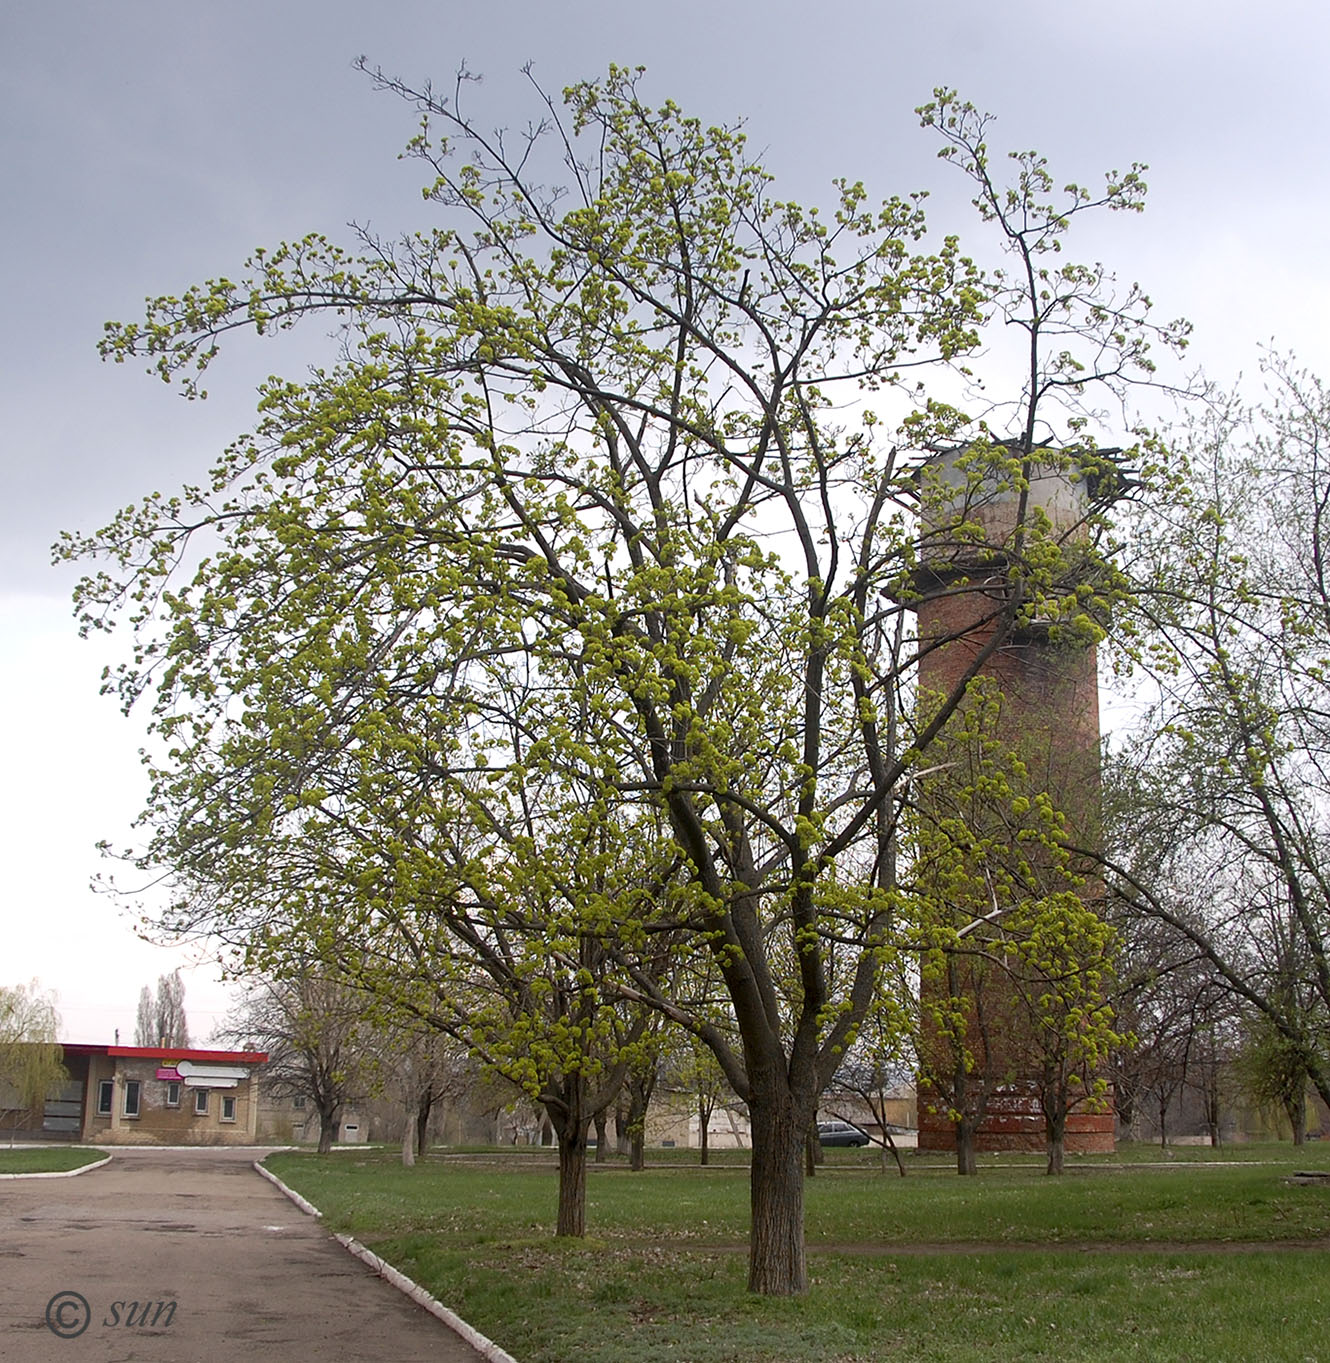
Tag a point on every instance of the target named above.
point(148, 145)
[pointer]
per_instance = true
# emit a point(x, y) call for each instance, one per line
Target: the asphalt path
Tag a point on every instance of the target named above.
point(189, 1256)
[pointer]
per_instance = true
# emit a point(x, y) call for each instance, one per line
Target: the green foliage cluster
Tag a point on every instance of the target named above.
point(1016, 965)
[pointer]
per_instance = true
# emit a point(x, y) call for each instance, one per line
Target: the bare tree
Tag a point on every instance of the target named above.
point(1221, 805)
point(423, 1067)
point(877, 1066)
point(145, 1020)
point(172, 1025)
point(317, 1039)
point(161, 1021)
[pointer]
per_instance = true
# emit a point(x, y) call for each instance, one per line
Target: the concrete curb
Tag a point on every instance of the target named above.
point(305, 1206)
point(487, 1348)
point(63, 1173)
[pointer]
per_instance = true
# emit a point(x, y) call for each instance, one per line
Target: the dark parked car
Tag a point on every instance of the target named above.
point(840, 1133)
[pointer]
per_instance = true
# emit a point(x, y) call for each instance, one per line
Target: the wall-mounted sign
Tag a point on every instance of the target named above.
point(211, 1076)
point(168, 1072)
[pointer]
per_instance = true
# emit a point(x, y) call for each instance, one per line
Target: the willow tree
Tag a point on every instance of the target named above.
point(30, 1052)
point(596, 501)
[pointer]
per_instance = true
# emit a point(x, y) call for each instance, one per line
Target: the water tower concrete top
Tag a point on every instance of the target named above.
point(973, 500)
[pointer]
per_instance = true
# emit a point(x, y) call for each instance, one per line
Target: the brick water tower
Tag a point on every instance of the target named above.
point(975, 527)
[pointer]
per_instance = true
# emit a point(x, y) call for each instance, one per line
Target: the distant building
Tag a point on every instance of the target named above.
point(292, 1119)
point(148, 1095)
point(673, 1121)
point(898, 1105)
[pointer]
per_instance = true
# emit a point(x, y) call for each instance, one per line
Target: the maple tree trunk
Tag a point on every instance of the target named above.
point(967, 1123)
point(636, 1128)
point(1125, 1098)
point(1297, 1118)
point(965, 1156)
point(703, 1122)
point(776, 1262)
point(621, 1138)
point(572, 1178)
point(1212, 1111)
point(1056, 1109)
point(422, 1124)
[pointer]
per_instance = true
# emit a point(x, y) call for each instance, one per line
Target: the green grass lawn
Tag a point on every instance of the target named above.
point(1174, 1263)
point(47, 1159)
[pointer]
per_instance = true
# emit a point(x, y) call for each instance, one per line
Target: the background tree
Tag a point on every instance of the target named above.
point(1273, 1073)
point(172, 1025)
point(319, 1046)
point(639, 1087)
point(1164, 993)
point(498, 936)
point(448, 1075)
point(1223, 796)
point(693, 1069)
point(1061, 955)
point(30, 1053)
point(962, 1056)
point(878, 1065)
point(161, 1021)
point(1159, 1062)
point(1212, 1059)
point(145, 1020)
point(596, 465)
point(1014, 985)
point(423, 1067)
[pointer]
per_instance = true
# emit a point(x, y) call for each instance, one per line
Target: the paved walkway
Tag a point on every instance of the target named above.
point(252, 1278)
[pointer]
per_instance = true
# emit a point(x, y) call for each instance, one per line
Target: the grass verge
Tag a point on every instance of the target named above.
point(1169, 1264)
point(48, 1159)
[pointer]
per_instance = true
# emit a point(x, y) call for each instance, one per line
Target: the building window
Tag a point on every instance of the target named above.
point(173, 1094)
point(131, 1097)
point(298, 1101)
point(201, 1102)
point(228, 1109)
point(105, 1097)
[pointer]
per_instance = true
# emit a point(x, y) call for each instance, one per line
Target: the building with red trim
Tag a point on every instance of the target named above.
point(154, 1095)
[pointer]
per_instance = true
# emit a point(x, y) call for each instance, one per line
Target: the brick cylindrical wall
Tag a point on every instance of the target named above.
point(1049, 709)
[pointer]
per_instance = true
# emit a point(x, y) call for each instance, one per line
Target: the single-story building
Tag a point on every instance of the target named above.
point(291, 1119)
point(153, 1095)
